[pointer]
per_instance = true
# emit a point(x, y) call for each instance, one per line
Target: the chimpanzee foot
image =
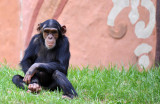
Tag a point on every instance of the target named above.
point(68, 96)
point(34, 87)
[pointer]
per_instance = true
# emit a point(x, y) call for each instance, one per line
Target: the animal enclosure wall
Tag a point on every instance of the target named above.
point(100, 32)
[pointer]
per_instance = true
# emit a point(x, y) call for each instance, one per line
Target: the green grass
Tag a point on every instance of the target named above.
point(108, 85)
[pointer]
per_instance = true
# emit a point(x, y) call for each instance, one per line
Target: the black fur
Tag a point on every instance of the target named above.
point(52, 71)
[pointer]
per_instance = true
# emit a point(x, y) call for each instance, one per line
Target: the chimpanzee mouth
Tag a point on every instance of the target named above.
point(51, 45)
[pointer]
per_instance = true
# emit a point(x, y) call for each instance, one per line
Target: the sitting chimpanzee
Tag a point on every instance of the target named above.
point(45, 62)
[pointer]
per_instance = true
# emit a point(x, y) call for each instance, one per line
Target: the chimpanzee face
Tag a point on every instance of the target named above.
point(52, 31)
point(50, 36)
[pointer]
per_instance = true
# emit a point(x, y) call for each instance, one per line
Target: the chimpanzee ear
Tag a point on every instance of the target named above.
point(63, 29)
point(39, 28)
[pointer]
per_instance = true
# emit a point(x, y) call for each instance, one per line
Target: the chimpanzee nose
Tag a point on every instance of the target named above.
point(50, 37)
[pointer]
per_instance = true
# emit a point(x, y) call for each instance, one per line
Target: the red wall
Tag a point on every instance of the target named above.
point(100, 32)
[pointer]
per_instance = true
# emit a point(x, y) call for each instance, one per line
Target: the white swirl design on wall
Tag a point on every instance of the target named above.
point(144, 59)
point(134, 15)
point(142, 31)
point(119, 5)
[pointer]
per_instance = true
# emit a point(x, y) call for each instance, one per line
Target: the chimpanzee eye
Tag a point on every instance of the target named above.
point(56, 36)
point(46, 31)
point(54, 32)
point(45, 35)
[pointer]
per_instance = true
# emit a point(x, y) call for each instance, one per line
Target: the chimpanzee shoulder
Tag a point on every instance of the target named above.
point(63, 41)
point(31, 50)
point(37, 39)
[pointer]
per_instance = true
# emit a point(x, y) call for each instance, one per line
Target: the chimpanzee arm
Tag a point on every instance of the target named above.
point(29, 56)
point(63, 56)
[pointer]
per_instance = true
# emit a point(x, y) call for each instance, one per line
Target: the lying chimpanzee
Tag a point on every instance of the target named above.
point(45, 62)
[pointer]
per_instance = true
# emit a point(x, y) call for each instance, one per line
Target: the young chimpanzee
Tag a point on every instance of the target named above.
point(45, 62)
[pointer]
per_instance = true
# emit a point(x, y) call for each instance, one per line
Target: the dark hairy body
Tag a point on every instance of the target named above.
point(46, 60)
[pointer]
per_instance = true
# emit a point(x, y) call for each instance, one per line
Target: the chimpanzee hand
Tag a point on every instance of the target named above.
point(27, 78)
point(31, 71)
point(34, 87)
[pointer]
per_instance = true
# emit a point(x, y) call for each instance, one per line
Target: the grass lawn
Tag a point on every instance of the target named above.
point(97, 87)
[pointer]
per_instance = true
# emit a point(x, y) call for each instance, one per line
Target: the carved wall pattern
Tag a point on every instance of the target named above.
point(141, 31)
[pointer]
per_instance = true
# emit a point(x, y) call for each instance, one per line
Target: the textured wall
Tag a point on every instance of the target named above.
point(9, 31)
point(100, 31)
point(103, 32)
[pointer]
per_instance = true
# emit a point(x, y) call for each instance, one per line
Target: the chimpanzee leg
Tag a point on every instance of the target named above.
point(64, 84)
point(53, 86)
point(44, 78)
point(18, 81)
